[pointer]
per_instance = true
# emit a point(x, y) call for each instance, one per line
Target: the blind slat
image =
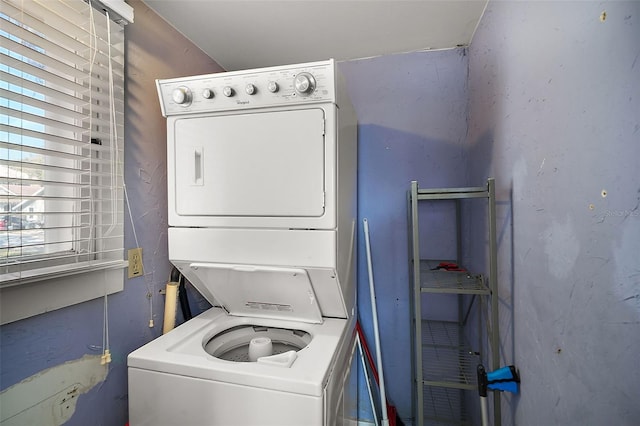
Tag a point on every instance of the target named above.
point(82, 160)
point(46, 138)
point(55, 169)
point(62, 195)
point(74, 22)
point(33, 183)
point(44, 121)
point(51, 48)
point(55, 20)
point(37, 72)
point(42, 59)
point(39, 26)
point(39, 104)
point(48, 92)
point(34, 256)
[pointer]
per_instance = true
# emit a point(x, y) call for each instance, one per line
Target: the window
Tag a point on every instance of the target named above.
point(61, 143)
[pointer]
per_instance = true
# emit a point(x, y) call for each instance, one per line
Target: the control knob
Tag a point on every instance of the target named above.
point(228, 91)
point(207, 93)
point(181, 95)
point(273, 86)
point(250, 89)
point(305, 83)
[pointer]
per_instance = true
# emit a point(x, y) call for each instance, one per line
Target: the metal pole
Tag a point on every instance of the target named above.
point(484, 410)
point(374, 314)
point(417, 308)
point(493, 285)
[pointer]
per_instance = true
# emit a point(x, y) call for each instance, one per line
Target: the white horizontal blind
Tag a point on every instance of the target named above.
point(61, 139)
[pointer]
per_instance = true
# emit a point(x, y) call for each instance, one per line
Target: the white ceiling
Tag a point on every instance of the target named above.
point(242, 34)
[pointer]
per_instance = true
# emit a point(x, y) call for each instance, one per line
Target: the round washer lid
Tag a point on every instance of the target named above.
point(258, 291)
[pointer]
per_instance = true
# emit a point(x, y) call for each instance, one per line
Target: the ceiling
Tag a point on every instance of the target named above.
point(243, 34)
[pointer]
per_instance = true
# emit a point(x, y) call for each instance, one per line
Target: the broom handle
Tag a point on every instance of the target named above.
point(374, 312)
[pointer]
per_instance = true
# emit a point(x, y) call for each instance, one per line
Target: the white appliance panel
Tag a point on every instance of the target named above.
point(273, 87)
point(189, 401)
point(278, 247)
point(173, 381)
point(181, 352)
point(259, 164)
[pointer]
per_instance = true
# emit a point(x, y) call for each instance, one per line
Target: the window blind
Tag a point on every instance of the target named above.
point(61, 139)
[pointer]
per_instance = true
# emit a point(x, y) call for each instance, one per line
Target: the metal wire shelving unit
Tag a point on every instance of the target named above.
point(444, 363)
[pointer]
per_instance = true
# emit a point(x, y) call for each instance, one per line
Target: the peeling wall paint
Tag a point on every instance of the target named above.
point(49, 397)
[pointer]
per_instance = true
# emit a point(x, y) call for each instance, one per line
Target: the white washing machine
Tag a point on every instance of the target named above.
point(262, 221)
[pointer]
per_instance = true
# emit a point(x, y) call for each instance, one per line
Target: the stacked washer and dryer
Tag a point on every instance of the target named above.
point(262, 221)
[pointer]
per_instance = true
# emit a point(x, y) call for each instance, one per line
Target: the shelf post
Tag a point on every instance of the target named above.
point(493, 286)
point(417, 311)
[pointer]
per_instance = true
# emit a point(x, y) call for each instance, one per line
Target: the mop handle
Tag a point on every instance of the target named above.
point(374, 312)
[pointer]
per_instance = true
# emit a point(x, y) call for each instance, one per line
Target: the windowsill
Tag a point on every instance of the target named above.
point(54, 272)
point(30, 296)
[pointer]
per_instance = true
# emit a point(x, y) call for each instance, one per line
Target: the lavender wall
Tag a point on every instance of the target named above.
point(412, 111)
point(153, 50)
point(555, 117)
point(553, 100)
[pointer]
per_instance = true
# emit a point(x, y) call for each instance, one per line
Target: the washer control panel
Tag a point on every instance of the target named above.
point(266, 87)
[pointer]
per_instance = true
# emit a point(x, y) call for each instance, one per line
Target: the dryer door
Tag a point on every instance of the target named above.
point(268, 164)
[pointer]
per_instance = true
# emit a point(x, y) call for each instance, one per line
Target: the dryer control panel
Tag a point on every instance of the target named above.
point(266, 87)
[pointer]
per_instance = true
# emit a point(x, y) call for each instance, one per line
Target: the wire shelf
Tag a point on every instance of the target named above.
point(444, 407)
point(447, 360)
point(434, 280)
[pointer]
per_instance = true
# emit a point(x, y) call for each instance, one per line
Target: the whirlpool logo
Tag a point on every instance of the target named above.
point(242, 102)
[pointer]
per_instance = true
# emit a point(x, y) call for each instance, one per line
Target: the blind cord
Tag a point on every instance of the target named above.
point(93, 36)
point(106, 353)
point(113, 134)
point(135, 237)
point(113, 150)
point(114, 165)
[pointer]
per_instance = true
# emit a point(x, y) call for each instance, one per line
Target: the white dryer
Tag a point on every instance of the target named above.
point(262, 221)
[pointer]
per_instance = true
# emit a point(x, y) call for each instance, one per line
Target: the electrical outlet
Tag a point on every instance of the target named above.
point(135, 262)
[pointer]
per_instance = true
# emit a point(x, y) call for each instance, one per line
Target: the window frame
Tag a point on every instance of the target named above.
point(52, 286)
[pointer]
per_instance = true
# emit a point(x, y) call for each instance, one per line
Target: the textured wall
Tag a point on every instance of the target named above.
point(554, 101)
point(554, 116)
point(412, 111)
point(154, 50)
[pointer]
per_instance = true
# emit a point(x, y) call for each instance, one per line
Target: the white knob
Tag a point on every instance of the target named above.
point(273, 87)
point(304, 83)
point(207, 93)
point(181, 95)
point(227, 91)
point(250, 89)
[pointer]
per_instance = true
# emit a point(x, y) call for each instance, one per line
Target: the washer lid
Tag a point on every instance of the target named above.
point(258, 291)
